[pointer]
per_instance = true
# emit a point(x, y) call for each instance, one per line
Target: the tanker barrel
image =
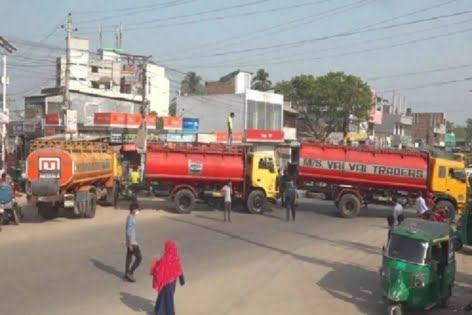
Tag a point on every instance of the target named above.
point(45, 187)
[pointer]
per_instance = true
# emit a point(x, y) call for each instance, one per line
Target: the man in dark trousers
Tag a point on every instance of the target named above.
point(283, 186)
point(132, 247)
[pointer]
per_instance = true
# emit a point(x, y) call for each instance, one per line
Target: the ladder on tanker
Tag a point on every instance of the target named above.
point(81, 146)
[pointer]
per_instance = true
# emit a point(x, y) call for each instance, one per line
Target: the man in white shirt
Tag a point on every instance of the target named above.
point(397, 209)
point(227, 190)
point(421, 208)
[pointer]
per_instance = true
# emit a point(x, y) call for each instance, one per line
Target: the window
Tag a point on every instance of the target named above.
point(95, 85)
point(442, 172)
point(94, 69)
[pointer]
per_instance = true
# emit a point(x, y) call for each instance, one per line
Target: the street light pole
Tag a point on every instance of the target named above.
point(4, 108)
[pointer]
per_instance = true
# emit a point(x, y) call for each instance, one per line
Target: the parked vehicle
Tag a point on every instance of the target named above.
point(418, 266)
point(463, 234)
point(71, 174)
point(190, 172)
point(359, 176)
point(9, 209)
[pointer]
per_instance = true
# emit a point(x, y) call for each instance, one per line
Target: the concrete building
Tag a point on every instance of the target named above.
point(108, 82)
point(395, 129)
point(429, 128)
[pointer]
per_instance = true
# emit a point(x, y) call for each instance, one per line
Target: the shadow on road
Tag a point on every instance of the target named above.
point(137, 303)
point(355, 285)
point(368, 249)
point(201, 216)
point(107, 268)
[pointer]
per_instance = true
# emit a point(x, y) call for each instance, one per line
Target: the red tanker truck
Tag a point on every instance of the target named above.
point(359, 176)
point(190, 172)
point(73, 175)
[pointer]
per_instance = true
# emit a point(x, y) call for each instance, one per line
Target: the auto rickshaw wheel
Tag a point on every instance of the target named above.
point(395, 309)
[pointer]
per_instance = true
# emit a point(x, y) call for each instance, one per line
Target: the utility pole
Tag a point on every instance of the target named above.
point(66, 101)
point(144, 113)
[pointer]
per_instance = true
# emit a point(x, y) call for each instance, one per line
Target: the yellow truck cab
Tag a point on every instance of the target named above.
point(449, 183)
point(263, 173)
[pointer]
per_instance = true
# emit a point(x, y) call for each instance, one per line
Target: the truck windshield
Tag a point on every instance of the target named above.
point(407, 249)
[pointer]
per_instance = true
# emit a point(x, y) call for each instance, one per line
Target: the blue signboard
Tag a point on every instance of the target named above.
point(190, 124)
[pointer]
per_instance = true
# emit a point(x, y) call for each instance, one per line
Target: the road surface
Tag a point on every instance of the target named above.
point(256, 265)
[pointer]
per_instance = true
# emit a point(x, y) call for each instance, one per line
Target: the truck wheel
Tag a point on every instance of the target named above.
point(92, 206)
point(395, 309)
point(47, 211)
point(256, 201)
point(448, 208)
point(456, 244)
point(349, 205)
point(184, 201)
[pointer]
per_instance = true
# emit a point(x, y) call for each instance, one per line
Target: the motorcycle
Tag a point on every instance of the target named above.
point(9, 209)
point(437, 216)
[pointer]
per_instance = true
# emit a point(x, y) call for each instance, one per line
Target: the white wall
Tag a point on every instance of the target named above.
point(242, 82)
point(158, 90)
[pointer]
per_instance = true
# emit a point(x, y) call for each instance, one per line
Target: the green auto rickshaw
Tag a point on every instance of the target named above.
point(463, 234)
point(418, 266)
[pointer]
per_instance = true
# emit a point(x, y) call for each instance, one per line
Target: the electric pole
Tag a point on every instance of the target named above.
point(144, 113)
point(66, 101)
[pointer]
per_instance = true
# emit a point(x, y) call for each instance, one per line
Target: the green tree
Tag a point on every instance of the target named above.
point(191, 84)
point(342, 96)
point(459, 132)
point(261, 81)
point(300, 91)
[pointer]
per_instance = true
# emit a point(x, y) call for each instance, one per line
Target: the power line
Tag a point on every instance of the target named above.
point(164, 5)
point(326, 37)
point(311, 53)
point(262, 31)
point(428, 85)
point(407, 74)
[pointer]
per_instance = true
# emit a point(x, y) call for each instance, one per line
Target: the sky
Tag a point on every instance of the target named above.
point(416, 52)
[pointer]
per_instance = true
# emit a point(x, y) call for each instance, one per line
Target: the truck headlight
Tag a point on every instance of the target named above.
point(419, 280)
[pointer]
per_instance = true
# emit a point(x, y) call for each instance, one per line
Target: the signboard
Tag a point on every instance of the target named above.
point(123, 120)
point(222, 136)
point(71, 121)
point(261, 135)
point(190, 124)
point(53, 119)
point(32, 127)
point(173, 123)
point(49, 131)
point(178, 137)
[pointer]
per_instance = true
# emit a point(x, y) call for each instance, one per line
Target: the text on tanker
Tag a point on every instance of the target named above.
point(364, 168)
point(96, 166)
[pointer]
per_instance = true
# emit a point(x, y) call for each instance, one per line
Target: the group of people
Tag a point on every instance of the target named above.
point(164, 271)
point(424, 206)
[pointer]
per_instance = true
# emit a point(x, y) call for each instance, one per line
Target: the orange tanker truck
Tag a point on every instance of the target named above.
point(71, 174)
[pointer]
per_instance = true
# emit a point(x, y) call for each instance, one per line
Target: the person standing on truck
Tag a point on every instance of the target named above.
point(132, 246)
point(421, 208)
point(291, 197)
point(230, 128)
point(227, 190)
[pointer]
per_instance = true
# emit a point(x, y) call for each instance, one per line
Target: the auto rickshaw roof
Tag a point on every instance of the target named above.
point(423, 230)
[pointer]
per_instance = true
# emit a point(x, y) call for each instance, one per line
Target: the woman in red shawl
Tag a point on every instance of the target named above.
point(165, 273)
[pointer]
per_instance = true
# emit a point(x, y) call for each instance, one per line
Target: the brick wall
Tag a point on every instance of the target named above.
point(424, 125)
point(228, 87)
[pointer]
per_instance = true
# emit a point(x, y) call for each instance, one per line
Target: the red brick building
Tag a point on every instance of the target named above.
point(429, 128)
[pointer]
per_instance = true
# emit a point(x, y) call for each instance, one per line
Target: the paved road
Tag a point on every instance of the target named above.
point(255, 265)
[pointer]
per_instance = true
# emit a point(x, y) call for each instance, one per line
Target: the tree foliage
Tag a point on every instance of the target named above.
point(191, 84)
point(261, 81)
point(328, 103)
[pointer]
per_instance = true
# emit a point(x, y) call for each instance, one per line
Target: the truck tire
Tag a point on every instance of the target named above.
point(92, 206)
point(256, 201)
point(47, 211)
point(184, 201)
point(448, 208)
point(349, 206)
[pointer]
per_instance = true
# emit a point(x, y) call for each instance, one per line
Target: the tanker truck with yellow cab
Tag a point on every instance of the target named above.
point(71, 174)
